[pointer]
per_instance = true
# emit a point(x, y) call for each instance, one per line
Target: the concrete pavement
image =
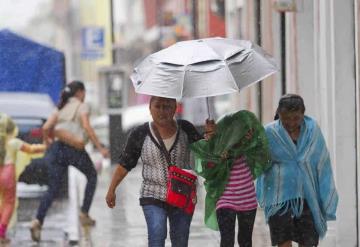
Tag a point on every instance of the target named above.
point(125, 224)
point(54, 232)
point(61, 225)
point(119, 227)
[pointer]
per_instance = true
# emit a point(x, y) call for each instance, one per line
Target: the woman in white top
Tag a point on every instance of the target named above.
point(72, 128)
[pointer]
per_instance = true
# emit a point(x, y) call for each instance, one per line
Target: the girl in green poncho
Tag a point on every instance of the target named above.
point(229, 162)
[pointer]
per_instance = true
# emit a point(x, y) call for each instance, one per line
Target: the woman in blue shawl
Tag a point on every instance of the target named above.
point(298, 193)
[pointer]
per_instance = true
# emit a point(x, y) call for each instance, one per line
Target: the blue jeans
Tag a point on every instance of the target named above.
point(58, 157)
point(156, 220)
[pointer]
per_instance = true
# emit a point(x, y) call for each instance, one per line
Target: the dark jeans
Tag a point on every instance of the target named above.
point(58, 157)
point(226, 221)
point(156, 220)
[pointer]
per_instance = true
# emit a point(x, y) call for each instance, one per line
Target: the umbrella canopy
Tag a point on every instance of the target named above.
point(202, 68)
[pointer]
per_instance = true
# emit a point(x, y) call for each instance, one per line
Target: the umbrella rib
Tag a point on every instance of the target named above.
point(234, 81)
point(183, 81)
point(263, 77)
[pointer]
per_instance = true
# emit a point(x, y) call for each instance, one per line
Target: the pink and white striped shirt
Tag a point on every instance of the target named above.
point(239, 193)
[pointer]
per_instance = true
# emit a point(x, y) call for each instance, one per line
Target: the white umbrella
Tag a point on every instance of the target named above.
point(202, 68)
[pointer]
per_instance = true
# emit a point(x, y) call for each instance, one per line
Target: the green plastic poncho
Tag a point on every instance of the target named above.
point(214, 158)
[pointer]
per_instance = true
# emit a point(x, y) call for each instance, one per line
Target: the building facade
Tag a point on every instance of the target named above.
point(317, 48)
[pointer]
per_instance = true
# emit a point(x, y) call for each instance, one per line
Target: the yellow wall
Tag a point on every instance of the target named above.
point(96, 13)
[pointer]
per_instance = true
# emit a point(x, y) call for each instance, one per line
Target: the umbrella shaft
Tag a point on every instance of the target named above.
point(208, 108)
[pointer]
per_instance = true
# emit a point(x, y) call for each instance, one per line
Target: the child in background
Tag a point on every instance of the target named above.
point(9, 146)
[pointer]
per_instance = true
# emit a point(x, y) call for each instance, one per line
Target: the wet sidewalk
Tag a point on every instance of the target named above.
point(61, 225)
point(125, 224)
point(55, 229)
point(122, 226)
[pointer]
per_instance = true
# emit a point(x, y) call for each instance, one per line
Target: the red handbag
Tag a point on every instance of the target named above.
point(181, 189)
point(181, 185)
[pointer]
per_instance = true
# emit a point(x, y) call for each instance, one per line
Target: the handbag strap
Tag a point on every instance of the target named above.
point(75, 113)
point(162, 145)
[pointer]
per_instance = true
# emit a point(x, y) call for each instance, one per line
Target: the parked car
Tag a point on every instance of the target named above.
point(130, 117)
point(29, 111)
point(135, 115)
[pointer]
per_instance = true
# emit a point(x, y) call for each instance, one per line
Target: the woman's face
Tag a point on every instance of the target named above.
point(291, 120)
point(80, 94)
point(162, 110)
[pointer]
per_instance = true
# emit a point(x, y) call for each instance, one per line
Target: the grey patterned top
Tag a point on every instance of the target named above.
point(142, 144)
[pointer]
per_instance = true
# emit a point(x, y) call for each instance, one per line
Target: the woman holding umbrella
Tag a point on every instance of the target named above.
point(201, 68)
point(142, 143)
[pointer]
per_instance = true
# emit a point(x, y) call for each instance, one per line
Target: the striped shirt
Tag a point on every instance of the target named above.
point(239, 193)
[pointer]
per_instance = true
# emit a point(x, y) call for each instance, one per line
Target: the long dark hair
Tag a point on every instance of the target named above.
point(290, 103)
point(69, 91)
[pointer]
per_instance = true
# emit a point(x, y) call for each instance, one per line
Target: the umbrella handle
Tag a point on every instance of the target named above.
point(208, 109)
point(210, 123)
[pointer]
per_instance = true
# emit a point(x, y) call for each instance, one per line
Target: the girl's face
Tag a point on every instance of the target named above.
point(291, 120)
point(162, 110)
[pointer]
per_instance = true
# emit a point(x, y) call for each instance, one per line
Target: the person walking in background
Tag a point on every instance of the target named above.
point(9, 146)
point(298, 193)
point(72, 129)
point(230, 161)
point(143, 143)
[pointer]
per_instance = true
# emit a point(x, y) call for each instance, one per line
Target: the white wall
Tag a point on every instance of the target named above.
point(326, 76)
point(357, 42)
point(321, 67)
point(345, 127)
point(324, 57)
point(321, 53)
point(325, 86)
point(306, 57)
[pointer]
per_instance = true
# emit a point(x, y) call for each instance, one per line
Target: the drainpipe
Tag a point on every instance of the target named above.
point(259, 42)
point(283, 51)
point(357, 109)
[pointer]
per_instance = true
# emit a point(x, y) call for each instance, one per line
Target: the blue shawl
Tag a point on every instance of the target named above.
point(298, 172)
